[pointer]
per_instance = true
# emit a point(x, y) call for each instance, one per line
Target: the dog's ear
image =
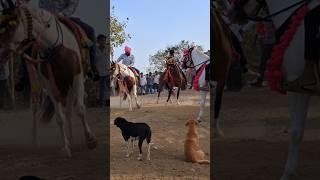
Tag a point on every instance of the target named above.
point(197, 123)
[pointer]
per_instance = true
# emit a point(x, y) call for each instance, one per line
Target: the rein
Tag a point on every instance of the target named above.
point(268, 17)
point(194, 66)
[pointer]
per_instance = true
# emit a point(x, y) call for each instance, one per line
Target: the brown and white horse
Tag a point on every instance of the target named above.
point(223, 55)
point(60, 74)
point(127, 82)
point(293, 64)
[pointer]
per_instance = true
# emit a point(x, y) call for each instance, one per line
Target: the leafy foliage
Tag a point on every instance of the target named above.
point(118, 35)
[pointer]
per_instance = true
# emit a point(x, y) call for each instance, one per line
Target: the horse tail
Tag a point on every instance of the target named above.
point(48, 110)
point(125, 96)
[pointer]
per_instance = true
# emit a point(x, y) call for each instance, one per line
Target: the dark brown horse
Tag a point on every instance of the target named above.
point(224, 55)
point(172, 77)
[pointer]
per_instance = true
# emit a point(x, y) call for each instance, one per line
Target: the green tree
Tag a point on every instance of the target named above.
point(118, 35)
point(156, 60)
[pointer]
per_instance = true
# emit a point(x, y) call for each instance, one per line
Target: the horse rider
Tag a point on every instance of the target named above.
point(171, 62)
point(127, 58)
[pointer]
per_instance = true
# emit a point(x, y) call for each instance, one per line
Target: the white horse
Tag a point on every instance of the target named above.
point(293, 68)
point(27, 23)
point(196, 60)
point(127, 83)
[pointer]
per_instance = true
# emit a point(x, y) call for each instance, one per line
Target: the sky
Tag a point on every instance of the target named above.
point(155, 24)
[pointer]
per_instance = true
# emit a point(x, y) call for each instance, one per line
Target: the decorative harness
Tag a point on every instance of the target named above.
point(189, 59)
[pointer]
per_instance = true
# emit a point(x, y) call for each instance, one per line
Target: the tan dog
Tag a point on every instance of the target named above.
point(192, 151)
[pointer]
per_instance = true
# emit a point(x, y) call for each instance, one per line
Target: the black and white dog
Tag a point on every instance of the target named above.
point(134, 131)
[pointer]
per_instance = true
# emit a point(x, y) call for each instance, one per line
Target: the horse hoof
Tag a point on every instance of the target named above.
point(66, 152)
point(138, 106)
point(92, 142)
point(139, 159)
point(127, 155)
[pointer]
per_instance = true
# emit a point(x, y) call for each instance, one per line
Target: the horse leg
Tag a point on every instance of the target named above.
point(178, 102)
point(169, 95)
point(69, 112)
point(78, 92)
point(61, 120)
point(203, 95)
point(298, 107)
point(159, 91)
point(217, 106)
point(120, 99)
point(135, 96)
point(129, 101)
point(35, 124)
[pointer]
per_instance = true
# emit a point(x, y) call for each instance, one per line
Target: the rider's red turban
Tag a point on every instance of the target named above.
point(127, 49)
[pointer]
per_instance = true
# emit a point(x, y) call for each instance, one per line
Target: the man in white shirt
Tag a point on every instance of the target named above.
point(156, 81)
point(143, 82)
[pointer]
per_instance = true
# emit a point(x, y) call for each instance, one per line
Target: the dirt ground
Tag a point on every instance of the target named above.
point(19, 158)
point(169, 131)
point(255, 123)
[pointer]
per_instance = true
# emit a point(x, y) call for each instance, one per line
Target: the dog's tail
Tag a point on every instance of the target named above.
point(203, 162)
point(148, 136)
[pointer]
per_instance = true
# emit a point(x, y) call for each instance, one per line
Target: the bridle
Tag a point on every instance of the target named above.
point(239, 6)
point(188, 58)
point(116, 67)
point(30, 40)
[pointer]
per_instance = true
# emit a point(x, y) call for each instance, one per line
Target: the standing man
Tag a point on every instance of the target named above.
point(5, 96)
point(102, 68)
point(143, 82)
point(266, 39)
point(156, 81)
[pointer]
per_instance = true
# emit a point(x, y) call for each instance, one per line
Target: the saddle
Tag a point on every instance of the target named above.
point(84, 42)
point(134, 71)
point(80, 34)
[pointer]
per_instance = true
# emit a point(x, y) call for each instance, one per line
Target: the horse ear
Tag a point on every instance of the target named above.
point(187, 124)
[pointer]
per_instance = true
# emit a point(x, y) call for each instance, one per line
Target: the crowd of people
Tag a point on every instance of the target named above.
point(149, 82)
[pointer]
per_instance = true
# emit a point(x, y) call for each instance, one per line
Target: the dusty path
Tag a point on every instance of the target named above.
point(169, 131)
point(18, 157)
point(255, 122)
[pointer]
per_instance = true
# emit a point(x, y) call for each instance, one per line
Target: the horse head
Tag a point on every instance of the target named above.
point(115, 69)
point(241, 10)
point(12, 32)
point(187, 61)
